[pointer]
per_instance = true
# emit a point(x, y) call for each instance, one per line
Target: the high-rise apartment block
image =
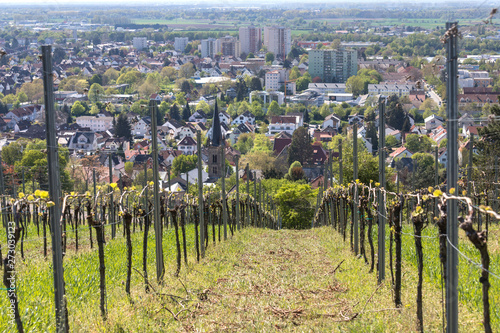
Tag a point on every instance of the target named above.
point(139, 43)
point(278, 41)
point(208, 47)
point(333, 66)
point(228, 46)
point(180, 43)
point(250, 39)
point(275, 79)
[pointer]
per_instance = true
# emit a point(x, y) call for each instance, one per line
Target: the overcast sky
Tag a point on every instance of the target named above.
point(56, 3)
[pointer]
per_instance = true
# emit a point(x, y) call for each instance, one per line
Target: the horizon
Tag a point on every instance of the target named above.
point(234, 3)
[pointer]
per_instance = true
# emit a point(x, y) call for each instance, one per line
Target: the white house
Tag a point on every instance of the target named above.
point(86, 141)
point(433, 122)
point(332, 121)
point(224, 117)
point(187, 145)
point(280, 124)
point(246, 117)
point(186, 131)
point(142, 127)
point(96, 124)
point(442, 156)
point(198, 117)
point(400, 153)
point(29, 113)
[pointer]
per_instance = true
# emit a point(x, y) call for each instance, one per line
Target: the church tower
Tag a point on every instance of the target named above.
point(215, 142)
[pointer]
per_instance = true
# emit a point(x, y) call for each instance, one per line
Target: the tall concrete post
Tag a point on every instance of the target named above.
point(54, 191)
point(452, 173)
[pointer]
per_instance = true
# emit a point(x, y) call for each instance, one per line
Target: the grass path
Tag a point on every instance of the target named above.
point(257, 281)
point(292, 281)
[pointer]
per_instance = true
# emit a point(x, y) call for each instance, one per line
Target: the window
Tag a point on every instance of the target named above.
point(214, 158)
point(214, 169)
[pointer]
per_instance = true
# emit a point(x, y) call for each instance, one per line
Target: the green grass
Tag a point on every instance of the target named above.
point(259, 280)
point(469, 287)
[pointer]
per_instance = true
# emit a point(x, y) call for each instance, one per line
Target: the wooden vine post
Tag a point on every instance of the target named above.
point(480, 241)
point(99, 227)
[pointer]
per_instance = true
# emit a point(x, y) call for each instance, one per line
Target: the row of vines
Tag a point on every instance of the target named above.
point(86, 218)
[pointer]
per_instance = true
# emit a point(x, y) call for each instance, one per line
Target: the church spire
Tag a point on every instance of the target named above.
point(216, 138)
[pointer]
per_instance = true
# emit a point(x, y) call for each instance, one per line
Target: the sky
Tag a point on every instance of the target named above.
point(52, 3)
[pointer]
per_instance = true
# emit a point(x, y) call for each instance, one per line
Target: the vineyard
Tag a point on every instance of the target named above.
point(149, 259)
point(90, 223)
point(109, 259)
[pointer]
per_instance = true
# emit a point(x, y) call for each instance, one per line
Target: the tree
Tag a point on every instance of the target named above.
point(241, 90)
point(184, 163)
point(296, 203)
point(174, 112)
point(391, 141)
point(186, 112)
point(302, 83)
point(418, 143)
point(274, 109)
point(255, 84)
point(110, 76)
point(78, 109)
point(424, 170)
point(95, 92)
point(12, 153)
point(244, 107)
point(187, 70)
point(367, 163)
point(184, 84)
point(489, 146)
point(96, 78)
point(245, 143)
point(58, 55)
point(294, 73)
point(395, 113)
point(261, 143)
point(202, 105)
point(269, 57)
point(129, 168)
point(300, 149)
point(123, 128)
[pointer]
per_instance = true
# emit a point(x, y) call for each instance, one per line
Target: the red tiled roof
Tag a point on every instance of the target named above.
point(280, 144)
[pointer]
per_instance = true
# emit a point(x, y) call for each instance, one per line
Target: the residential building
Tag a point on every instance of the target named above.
point(333, 65)
point(328, 88)
point(433, 122)
point(86, 141)
point(140, 43)
point(246, 117)
point(180, 43)
point(275, 79)
point(29, 113)
point(198, 116)
point(228, 46)
point(389, 89)
point(278, 41)
point(331, 121)
point(96, 124)
point(187, 145)
point(208, 48)
point(400, 153)
point(250, 39)
point(280, 124)
point(141, 127)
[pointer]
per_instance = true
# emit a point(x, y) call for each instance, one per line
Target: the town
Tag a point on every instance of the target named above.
point(266, 81)
point(249, 167)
